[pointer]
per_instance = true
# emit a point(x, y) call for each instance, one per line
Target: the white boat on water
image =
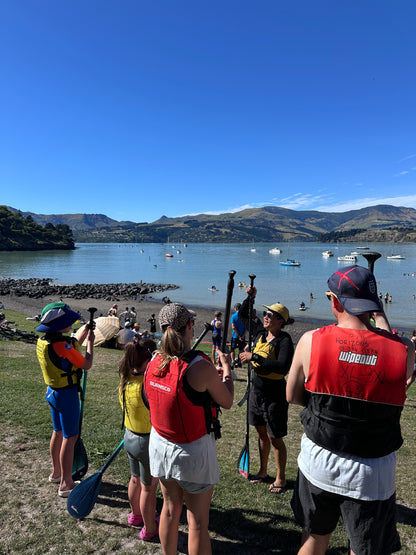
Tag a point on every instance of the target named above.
point(351, 258)
point(290, 262)
point(363, 248)
point(355, 253)
point(396, 257)
point(253, 250)
point(275, 250)
point(327, 254)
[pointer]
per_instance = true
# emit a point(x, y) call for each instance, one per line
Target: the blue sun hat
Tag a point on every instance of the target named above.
point(56, 317)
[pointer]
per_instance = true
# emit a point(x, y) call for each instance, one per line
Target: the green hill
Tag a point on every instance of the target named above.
point(266, 224)
point(18, 233)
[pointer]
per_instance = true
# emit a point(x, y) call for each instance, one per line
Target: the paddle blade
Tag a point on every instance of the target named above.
point(82, 499)
point(80, 463)
point(244, 462)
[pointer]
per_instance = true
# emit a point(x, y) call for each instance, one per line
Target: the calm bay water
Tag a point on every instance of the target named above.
point(200, 265)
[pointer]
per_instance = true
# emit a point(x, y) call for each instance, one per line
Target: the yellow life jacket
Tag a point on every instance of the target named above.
point(265, 350)
point(58, 372)
point(136, 415)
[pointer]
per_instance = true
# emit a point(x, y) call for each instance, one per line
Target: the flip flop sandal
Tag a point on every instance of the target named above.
point(256, 479)
point(277, 490)
point(66, 492)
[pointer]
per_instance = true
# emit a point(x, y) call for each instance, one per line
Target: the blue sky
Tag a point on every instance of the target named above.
point(138, 109)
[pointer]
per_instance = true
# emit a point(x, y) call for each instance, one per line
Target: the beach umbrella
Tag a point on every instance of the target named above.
point(105, 328)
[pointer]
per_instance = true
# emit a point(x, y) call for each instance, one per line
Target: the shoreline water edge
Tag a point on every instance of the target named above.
point(145, 306)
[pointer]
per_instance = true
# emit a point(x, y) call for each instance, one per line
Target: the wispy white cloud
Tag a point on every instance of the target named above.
point(404, 172)
point(320, 203)
point(409, 201)
point(407, 158)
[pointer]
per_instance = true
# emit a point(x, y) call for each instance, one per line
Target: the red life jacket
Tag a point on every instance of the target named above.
point(357, 386)
point(177, 412)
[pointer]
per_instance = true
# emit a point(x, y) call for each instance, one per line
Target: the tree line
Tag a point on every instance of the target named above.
point(18, 233)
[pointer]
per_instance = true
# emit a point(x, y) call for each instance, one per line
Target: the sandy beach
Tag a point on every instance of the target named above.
point(144, 308)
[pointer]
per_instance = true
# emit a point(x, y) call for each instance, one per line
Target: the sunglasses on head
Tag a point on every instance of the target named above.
point(329, 295)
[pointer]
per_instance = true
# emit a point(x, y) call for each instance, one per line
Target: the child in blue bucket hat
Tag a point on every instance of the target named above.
point(62, 363)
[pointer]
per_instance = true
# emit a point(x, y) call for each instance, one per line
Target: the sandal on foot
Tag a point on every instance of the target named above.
point(66, 492)
point(274, 488)
point(257, 479)
point(135, 520)
point(54, 480)
point(146, 536)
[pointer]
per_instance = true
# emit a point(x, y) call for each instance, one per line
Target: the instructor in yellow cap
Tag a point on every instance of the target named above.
point(271, 357)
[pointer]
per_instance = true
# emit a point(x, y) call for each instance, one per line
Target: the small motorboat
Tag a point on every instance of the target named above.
point(169, 255)
point(396, 257)
point(327, 254)
point(275, 250)
point(351, 258)
point(253, 250)
point(290, 262)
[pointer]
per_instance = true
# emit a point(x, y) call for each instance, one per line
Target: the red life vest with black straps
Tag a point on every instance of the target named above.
point(357, 389)
point(177, 412)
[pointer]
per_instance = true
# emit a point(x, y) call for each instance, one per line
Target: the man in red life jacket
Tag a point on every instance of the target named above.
point(351, 377)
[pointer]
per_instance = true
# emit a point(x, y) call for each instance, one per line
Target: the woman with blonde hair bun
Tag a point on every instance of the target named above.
point(181, 386)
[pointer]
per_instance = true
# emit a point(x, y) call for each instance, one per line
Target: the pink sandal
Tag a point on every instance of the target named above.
point(146, 536)
point(135, 520)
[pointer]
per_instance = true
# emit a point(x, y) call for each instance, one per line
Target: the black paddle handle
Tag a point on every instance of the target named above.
point(230, 287)
point(371, 257)
point(91, 310)
point(250, 313)
point(208, 327)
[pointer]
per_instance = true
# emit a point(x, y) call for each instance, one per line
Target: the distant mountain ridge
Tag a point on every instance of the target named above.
point(76, 222)
point(267, 224)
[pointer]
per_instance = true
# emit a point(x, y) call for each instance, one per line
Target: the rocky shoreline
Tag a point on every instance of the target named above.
point(36, 288)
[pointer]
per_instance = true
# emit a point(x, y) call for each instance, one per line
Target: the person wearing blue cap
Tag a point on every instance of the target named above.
point(351, 379)
point(61, 362)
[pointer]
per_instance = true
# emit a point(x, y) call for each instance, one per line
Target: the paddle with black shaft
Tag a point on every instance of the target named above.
point(82, 499)
point(207, 327)
point(230, 287)
point(80, 462)
point(243, 464)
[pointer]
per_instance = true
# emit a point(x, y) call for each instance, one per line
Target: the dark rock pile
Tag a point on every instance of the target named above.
point(37, 288)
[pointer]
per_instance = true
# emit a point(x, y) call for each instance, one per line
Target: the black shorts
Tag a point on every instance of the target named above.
point(269, 410)
point(237, 344)
point(370, 525)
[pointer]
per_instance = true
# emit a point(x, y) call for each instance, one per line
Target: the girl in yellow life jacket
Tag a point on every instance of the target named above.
point(136, 419)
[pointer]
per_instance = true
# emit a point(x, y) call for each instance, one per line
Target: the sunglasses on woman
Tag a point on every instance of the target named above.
point(270, 315)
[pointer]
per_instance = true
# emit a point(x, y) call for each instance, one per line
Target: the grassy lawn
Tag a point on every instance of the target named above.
point(245, 518)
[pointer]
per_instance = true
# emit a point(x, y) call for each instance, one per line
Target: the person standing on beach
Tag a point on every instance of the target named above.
point(180, 385)
point(268, 409)
point(136, 419)
point(61, 362)
point(216, 334)
point(351, 377)
point(152, 322)
point(237, 339)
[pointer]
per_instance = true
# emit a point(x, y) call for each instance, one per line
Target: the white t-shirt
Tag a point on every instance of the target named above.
point(357, 477)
